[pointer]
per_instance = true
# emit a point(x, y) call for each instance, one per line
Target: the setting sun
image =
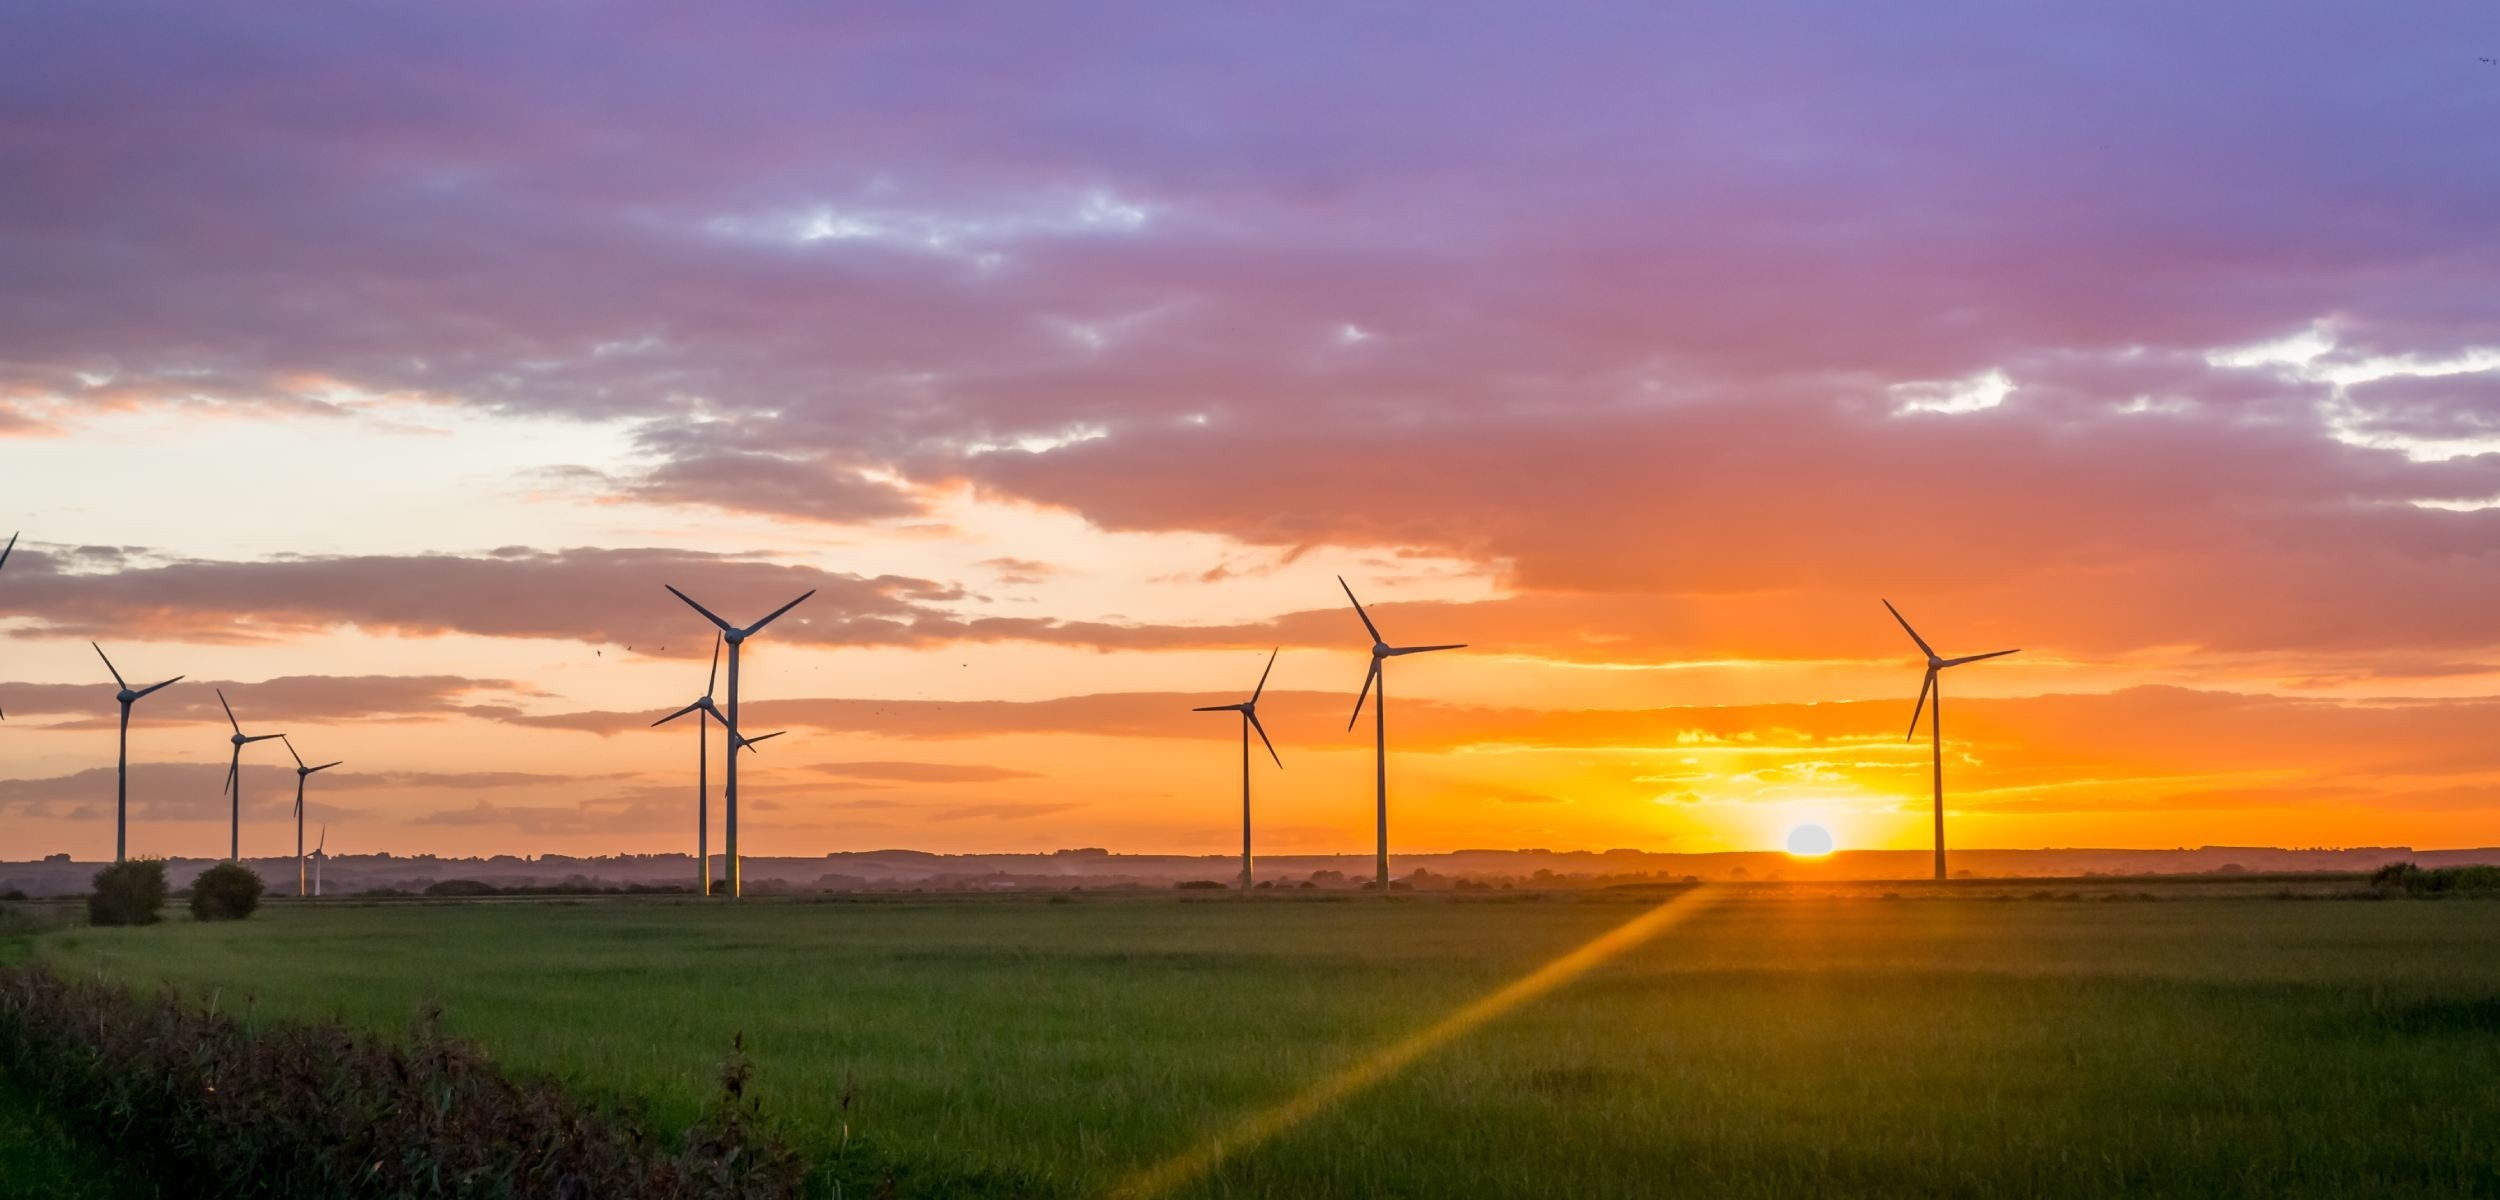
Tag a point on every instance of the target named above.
point(1809, 841)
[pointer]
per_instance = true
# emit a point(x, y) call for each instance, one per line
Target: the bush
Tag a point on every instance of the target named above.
point(274, 1109)
point(225, 892)
point(127, 893)
point(461, 887)
point(2410, 880)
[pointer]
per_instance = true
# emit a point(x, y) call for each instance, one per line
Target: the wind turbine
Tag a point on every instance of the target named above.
point(302, 772)
point(121, 775)
point(1935, 715)
point(320, 854)
point(4, 561)
point(234, 776)
point(704, 711)
point(1381, 652)
point(1249, 710)
point(735, 636)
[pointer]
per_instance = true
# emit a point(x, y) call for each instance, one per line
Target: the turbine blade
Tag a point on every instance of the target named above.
point(1374, 630)
point(221, 703)
point(695, 707)
point(748, 744)
point(4, 550)
point(324, 842)
point(262, 737)
point(326, 766)
point(159, 687)
point(708, 614)
point(108, 665)
point(1368, 676)
point(1972, 658)
point(1271, 665)
point(1905, 628)
point(775, 615)
point(231, 765)
point(1427, 649)
point(290, 749)
point(1271, 746)
point(1218, 708)
point(713, 679)
point(1924, 684)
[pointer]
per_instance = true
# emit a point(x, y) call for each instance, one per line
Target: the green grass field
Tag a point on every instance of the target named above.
point(1778, 1043)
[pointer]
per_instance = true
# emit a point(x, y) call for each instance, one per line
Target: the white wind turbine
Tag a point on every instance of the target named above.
point(4, 561)
point(234, 776)
point(1376, 677)
point(121, 774)
point(704, 711)
point(1249, 710)
point(1935, 714)
point(302, 773)
point(320, 854)
point(735, 636)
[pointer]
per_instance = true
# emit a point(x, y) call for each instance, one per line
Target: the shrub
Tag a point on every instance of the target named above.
point(2410, 880)
point(460, 887)
point(225, 892)
point(127, 893)
point(274, 1109)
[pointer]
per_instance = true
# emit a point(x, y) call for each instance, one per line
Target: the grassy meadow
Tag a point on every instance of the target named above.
point(1776, 1042)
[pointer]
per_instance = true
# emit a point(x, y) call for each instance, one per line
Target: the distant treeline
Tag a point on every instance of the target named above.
point(474, 887)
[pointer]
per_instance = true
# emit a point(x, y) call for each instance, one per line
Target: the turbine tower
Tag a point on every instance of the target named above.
point(234, 776)
point(735, 636)
point(121, 773)
point(302, 772)
point(704, 711)
point(1381, 652)
point(1935, 714)
point(1249, 710)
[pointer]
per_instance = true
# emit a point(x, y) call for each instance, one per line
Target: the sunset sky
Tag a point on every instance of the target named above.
point(381, 365)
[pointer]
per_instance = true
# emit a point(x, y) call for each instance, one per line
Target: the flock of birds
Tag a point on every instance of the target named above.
point(705, 709)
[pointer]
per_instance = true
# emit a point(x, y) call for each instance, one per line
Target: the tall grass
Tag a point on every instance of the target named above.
point(216, 1106)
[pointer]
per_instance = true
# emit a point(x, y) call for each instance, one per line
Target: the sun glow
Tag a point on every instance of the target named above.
point(1809, 841)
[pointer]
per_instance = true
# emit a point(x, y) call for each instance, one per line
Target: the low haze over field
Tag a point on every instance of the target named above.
point(380, 367)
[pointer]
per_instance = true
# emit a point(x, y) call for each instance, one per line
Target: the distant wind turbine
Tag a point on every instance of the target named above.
point(704, 711)
point(234, 776)
point(302, 772)
point(1376, 677)
point(4, 561)
point(735, 636)
point(320, 854)
point(121, 773)
point(1249, 710)
point(1935, 713)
